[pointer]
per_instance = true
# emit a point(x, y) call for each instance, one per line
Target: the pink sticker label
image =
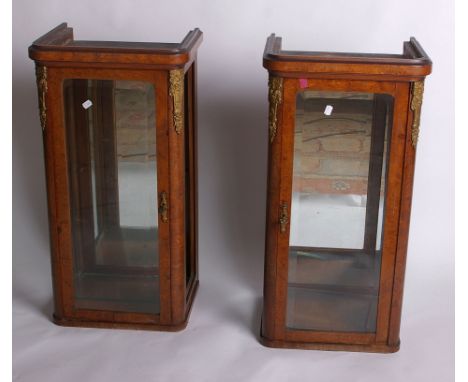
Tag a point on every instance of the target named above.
point(303, 83)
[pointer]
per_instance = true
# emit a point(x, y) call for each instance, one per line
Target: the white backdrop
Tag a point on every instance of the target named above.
point(220, 341)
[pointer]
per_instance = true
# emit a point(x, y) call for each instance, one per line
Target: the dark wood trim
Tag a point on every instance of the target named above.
point(301, 74)
point(61, 34)
point(190, 175)
point(413, 62)
point(58, 45)
point(195, 162)
point(413, 54)
point(350, 347)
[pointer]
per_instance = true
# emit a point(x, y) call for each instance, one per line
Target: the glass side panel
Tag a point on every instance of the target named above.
point(189, 180)
point(111, 142)
point(340, 151)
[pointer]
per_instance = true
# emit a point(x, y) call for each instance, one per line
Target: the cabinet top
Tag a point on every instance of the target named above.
point(413, 64)
point(58, 47)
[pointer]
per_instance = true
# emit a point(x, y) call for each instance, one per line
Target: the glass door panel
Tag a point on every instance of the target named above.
point(111, 141)
point(340, 151)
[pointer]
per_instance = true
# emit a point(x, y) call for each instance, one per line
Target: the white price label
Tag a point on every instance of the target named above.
point(328, 110)
point(87, 104)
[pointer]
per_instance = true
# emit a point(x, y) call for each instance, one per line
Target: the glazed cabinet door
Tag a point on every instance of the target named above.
point(335, 208)
point(112, 135)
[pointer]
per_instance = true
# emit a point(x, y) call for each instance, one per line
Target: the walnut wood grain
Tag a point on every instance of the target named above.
point(390, 74)
point(65, 58)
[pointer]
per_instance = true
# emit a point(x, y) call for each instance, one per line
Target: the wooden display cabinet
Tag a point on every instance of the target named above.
point(343, 130)
point(119, 129)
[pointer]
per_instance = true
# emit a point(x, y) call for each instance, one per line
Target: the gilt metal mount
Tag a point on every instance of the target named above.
point(416, 102)
point(284, 217)
point(176, 91)
point(275, 97)
point(163, 207)
point(41, 78)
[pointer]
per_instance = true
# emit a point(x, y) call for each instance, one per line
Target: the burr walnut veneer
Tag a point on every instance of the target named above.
point(343, 130)
point(119, 131)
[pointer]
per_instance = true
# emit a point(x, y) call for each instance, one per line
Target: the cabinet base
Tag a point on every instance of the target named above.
point(370, 348)
point(74, 322)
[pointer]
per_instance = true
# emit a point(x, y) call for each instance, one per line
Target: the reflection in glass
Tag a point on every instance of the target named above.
point(340, 150)
point(111, 142)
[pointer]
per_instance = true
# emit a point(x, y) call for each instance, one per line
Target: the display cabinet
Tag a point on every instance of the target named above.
point(120, 142)
point(343, 129)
